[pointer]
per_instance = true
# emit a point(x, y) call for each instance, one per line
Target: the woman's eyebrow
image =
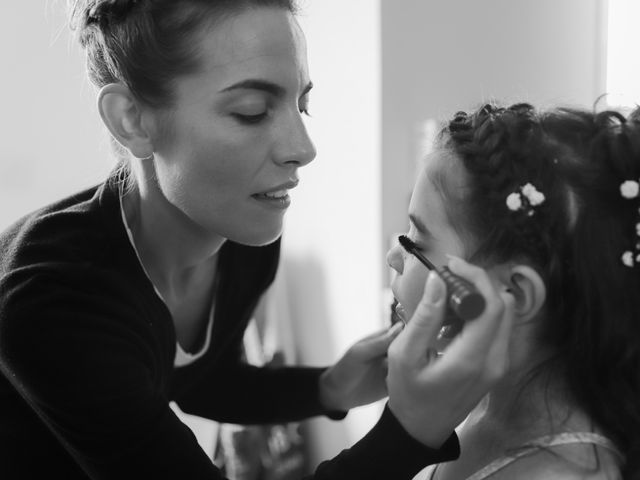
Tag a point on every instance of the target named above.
point(265, 86)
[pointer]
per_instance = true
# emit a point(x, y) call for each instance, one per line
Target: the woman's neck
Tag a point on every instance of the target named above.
point(173, 250)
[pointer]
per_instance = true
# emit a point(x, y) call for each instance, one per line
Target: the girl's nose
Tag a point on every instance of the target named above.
point(395, 258)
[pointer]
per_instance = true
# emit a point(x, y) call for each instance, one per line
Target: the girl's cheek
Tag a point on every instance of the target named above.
point(415, 288)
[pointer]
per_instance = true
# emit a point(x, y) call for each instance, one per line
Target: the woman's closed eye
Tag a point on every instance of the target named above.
point(254, 118)
point(250, 112)
point(250, 119)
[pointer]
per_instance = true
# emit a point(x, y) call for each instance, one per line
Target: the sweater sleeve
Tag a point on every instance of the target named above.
point(235, 392)
point(387, 451)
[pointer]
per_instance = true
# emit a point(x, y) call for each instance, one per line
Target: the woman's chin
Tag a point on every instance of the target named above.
point(256, 238)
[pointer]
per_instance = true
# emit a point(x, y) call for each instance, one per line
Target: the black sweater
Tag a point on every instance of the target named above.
point(87, 351)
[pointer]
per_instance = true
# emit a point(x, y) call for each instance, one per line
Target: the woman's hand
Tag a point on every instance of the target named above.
point(430, 395)
point(358, 378)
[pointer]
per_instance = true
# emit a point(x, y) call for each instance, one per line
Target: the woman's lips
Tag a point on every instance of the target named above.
point(279, 199)
point(276, 197)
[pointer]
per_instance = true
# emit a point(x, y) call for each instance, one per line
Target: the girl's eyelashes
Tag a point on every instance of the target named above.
point(417, 243)
point(418, 246)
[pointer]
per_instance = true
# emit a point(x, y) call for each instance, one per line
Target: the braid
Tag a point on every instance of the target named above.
point(502, 149)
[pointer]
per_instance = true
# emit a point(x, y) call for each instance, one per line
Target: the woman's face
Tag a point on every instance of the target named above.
point(236, 133)
point(430, 230)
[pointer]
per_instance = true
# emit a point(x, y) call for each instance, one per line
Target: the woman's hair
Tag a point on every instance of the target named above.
point(575, 237)
point(147, 44)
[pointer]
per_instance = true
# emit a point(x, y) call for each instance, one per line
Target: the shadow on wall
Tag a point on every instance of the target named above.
point(301, 284)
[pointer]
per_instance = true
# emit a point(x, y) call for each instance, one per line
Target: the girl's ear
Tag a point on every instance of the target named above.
point(529, 291)
point(527, 287)
point(122, 116)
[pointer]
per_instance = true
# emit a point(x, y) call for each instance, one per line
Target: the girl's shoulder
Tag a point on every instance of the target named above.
point(586, 456)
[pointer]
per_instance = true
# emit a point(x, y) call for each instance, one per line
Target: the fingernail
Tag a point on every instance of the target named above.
point(454, 262)
point(433, 291)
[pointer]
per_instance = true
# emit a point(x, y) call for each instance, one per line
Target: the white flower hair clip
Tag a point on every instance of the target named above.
point(630, 189)
point(526, 198)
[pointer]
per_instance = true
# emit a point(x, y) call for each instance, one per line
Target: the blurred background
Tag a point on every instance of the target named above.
point(385, 73)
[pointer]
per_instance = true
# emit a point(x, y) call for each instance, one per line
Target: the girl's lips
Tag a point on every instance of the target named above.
point(400, 312)
point(451, 324)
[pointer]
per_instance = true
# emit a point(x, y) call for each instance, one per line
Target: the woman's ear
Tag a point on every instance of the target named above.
point(528, 289)
point(122, 116)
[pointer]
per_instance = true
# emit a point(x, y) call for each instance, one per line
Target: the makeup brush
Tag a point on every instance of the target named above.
point(464, 299)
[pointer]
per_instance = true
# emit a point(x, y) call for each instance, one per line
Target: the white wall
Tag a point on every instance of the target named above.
point(51, 138)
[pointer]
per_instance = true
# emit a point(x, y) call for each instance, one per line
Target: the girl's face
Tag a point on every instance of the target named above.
point(236, 136)
point(431, 231)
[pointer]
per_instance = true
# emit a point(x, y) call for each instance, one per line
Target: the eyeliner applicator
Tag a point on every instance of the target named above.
point(464, 299)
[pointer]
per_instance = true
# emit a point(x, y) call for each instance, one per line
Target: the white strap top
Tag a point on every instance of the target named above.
point(182, 358)
point(530, 448)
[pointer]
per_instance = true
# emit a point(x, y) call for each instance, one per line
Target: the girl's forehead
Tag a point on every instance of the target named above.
point(439, 188)
point(446, 174)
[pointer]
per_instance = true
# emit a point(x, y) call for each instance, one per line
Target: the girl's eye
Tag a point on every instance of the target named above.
point(305, 111)
point(418, 243)
point(250, 119)
point(411, 234)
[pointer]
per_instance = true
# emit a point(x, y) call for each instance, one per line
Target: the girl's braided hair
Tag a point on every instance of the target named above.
point(575, 238)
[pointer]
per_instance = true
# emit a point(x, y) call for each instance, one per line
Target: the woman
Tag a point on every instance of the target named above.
point(135, 293)
point(547, 202)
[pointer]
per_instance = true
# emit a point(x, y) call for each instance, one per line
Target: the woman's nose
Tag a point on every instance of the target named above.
point(295, 146)
point(395, 258)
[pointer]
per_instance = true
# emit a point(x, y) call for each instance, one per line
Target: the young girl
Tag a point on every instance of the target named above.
point(548, 203)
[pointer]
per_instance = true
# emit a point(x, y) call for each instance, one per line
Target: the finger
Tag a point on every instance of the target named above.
point(480, 278)
point(375, 335)
point(378, 344)
point(477, 341)
point(422, 330)
point(476, 275)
